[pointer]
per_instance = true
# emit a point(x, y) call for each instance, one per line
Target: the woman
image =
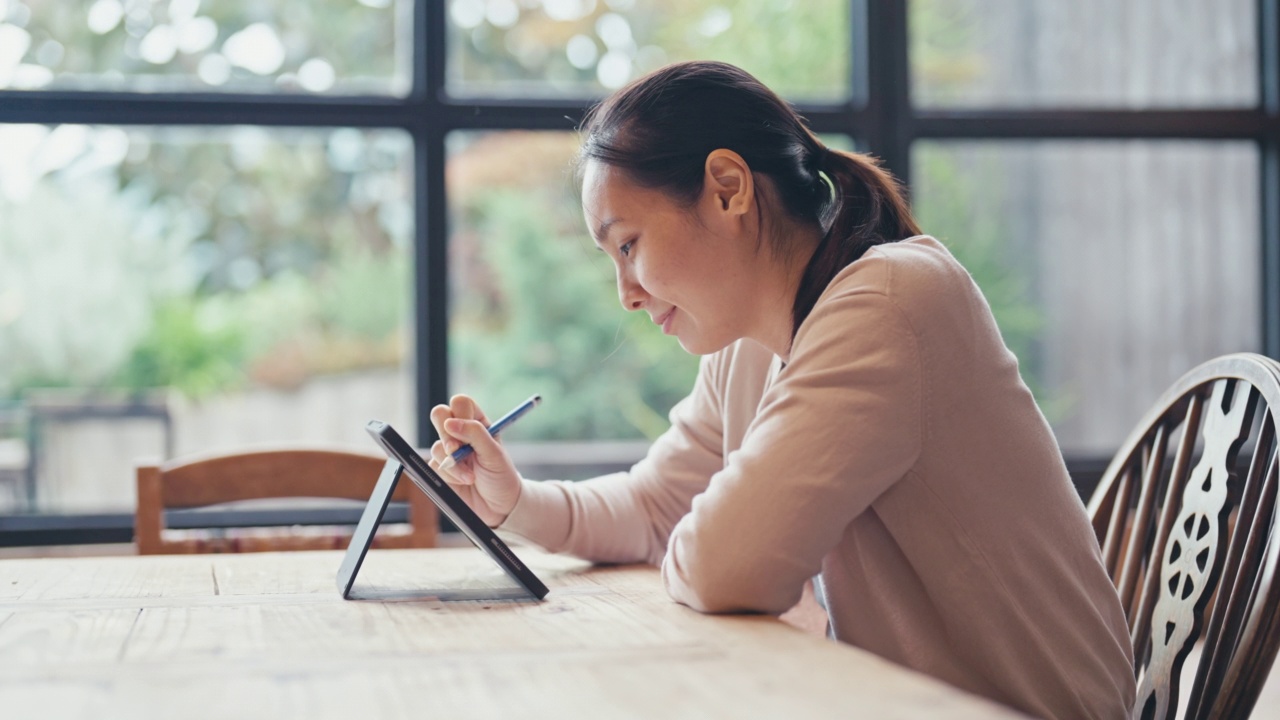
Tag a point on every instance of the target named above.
point(856, 416)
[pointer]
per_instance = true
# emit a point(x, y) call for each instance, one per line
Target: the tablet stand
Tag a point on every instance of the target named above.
point(368, 525)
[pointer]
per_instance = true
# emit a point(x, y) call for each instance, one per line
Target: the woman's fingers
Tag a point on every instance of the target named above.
point(438, 454)
point(475, 434)
point(485, 477)
point(455, 475)
point(464, 407)
point(439, 414)
point(460, 407)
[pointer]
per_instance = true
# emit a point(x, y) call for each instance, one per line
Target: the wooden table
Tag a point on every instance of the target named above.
point(441, 635)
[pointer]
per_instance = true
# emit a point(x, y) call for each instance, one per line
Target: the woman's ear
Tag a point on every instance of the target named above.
point(727, 180)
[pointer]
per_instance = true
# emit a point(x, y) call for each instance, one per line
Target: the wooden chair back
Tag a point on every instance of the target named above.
point(262, 475)
point(1186, 517)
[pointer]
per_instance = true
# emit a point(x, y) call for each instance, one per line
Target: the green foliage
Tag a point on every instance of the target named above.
point(187, 350)
point(363, 294)
point(944, 47)
point(809, 60)
point(229, 235)
point(77, 276)
point(800, 48)
point(362, 42)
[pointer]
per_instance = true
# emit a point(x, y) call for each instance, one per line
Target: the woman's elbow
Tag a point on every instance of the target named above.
point(722, 586)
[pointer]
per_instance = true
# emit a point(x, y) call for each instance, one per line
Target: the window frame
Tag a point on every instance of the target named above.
point(878, 115)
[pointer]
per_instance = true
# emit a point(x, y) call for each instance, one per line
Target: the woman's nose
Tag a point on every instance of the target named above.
point(630, 294)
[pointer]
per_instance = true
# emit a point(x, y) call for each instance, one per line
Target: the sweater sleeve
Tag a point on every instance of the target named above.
point(628, 517)
point(838, 427)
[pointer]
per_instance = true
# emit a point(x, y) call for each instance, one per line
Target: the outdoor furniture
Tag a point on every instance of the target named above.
point(80, 444)
point(14, 460)
point(1186, 516)
point(266, 475)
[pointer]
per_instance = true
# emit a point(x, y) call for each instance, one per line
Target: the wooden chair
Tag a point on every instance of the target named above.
point(262, 475)
point(1188, 531)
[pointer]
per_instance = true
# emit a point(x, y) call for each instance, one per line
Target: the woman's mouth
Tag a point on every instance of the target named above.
point(666, 320)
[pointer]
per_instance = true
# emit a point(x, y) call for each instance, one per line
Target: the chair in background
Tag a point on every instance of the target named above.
point(267, 475)
point(1186, 517)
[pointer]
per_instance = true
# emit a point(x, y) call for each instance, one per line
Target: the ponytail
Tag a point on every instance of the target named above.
point(867, 208)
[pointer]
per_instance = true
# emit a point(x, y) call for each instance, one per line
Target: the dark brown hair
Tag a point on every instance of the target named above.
point(660, 129)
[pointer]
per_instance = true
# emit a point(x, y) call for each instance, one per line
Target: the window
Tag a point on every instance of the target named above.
point(224, 223)
point(219, 286)
point(1088, 54)
point(231, 46)
point(581, 48)
point(1113, 266)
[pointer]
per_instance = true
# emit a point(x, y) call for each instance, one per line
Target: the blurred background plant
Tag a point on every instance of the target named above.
point(203, 260)
point(182, 45)
point(585, 48)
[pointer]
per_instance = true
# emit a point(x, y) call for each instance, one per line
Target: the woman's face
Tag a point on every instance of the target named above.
point(690, 269)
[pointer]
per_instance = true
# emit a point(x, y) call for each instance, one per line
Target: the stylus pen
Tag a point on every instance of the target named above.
point(461, 453)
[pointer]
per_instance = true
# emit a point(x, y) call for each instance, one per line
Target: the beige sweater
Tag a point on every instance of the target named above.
point(900, 455)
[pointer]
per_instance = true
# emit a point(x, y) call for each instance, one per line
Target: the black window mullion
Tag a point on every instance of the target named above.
point(1270, 205)
point(131, 108)
point(844, 120)
point(1094, 124)
point(890, 131)
point(1269, 93)
point(430, 311)
point(1269, 56)
point(535, 114)
point(429, 36)
point(523, 114)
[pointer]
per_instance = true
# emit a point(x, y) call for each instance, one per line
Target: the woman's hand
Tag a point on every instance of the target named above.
point(486, 479)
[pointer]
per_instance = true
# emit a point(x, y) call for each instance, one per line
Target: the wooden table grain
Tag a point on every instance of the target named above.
point(438, 634)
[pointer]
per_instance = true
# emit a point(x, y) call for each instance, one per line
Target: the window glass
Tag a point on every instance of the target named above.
point(1083, 53)
point(534, 309)
point(800, 48)
point(328, 46)
point(185, 290)
point(840, 142)
point(1112, 267)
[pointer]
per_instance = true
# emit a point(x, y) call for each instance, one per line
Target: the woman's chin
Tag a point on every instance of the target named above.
point(700, 346)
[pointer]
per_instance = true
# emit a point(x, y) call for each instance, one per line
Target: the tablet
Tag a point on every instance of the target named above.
point(404, 459)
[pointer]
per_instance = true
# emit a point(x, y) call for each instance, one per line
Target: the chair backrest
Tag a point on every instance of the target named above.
point(269, 474)
point(1186, 517)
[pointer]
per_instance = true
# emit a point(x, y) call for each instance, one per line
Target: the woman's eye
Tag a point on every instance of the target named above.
point(625, 250)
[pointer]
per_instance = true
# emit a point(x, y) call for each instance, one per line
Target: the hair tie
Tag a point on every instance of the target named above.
point(824, 181)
